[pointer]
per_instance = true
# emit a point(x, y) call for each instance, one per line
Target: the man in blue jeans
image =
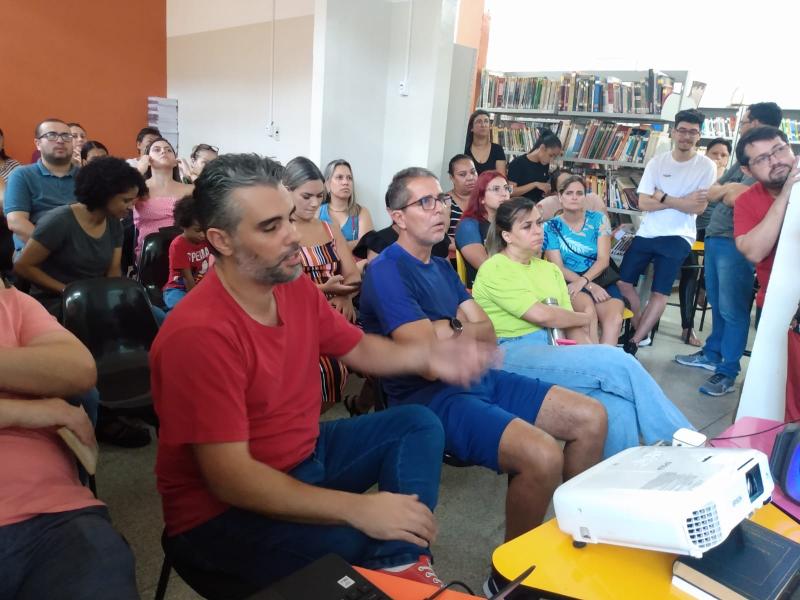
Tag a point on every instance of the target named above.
point(252, 484)
point(728, 274)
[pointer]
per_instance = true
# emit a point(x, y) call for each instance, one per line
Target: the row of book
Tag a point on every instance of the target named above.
point(609, 141)
point(622, 192)
point(576, 92)
point(714, 127)
point(520, 136)
point(791, 127)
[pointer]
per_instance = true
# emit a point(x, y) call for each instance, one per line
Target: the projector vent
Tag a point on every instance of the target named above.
point(703, 527)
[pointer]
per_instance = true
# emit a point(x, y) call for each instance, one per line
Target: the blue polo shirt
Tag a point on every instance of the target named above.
point(35, 190)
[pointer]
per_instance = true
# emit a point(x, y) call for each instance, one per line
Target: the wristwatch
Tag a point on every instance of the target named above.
point(663, 198)
point(456, 326)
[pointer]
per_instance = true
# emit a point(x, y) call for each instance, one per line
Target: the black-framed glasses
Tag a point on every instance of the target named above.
point(687, 132)
point(52, 136)
point(429, 202)
point(764, 159)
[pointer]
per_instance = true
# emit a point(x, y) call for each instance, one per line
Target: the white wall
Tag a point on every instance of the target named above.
point(185, 17)
point(711, 39)
point(222, 81)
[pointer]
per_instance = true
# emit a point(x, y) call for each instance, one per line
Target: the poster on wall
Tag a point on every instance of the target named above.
point(163, 114)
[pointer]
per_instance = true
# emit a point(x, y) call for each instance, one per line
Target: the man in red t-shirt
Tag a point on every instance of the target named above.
point(56, 538)
point(252, 483)
point(765, 155)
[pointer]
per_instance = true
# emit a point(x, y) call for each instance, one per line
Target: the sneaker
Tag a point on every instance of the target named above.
point(698, 359)
point(718, 385)
point(420, 571)
point(630, 347)
point(113, 430)
point(646, 341)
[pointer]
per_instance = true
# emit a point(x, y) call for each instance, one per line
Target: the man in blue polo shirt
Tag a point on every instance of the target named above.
point(35, 189)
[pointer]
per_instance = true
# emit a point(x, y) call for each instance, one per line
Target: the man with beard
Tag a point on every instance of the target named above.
point(765, 155)
point(252, 484)
point(34, 189)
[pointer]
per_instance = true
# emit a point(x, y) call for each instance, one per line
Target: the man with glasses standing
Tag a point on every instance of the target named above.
point(672, 192)
point(765, 155)
point(35, 189)
point(728, 274)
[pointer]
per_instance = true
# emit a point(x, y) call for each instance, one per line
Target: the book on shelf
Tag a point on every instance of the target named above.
point(576, 92)
point(714, 127)
point(752, 563)
point(520, 136)
point(622, 192)
point(609, 141)
point(791, 127)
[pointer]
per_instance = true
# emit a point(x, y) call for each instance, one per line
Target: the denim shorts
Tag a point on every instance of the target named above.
point(666, 252)
point(474, 419)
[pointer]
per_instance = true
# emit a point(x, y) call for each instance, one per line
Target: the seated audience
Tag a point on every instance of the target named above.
point(375, 242)
point(56, 538)
point(489, 192)
point(145, 137)
point(81, 240)
point(154, 211)
point(201, 155)
point(252, 483)
point(340, 206)
point(35, 189)
point(486, 155)
point(579, 243)
point(328, 262)
point(7, 164)
point(550, 205)
point(463, 176)
point(78, 140)
point(505, 422)
point(91, 150)
point(189, 255)
point(530, 173)
point(729, 276)
point(511, 287)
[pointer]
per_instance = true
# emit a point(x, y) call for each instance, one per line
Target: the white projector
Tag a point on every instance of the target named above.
point(665, 498)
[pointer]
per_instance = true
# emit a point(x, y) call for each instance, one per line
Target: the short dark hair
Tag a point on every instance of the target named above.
point(472, 117)
point(3, 154)
point(300, 170)
point(690, 115)
point(102, 179)
point(569, 181)
point(548, 139)
point(717, 141)
point(458, 157)
point(38, 131)
point(92, 145)
point(757, 134)
point(766, 113)
point(146, 131)
point(75, 124)
point(222, 176)
point(183, 212)
point(397, 194)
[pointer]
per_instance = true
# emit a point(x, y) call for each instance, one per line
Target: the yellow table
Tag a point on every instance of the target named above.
point(602, 571)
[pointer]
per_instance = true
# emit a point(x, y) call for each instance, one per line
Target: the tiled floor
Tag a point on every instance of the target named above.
point(471, 503)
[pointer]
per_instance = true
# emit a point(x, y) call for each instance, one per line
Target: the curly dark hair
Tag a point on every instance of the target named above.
point(103, 178)
point(184, 212)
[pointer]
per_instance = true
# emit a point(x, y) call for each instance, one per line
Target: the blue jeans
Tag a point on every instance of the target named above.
point(172, 296)
point(399, 449)
point(635, 403)
point(73, 554)
point(729, 286)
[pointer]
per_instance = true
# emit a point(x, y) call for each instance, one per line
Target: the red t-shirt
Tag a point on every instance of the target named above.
point(750, 209)
point(183, 254)
point(219, 376)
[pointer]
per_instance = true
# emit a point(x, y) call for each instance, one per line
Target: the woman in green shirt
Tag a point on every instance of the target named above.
point(511, 286)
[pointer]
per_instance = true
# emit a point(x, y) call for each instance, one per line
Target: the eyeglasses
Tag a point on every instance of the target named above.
point(499, 188)
point(201, 147)
point(763, 159)
point(687, 132)
point(429, 202)
point(52, 136)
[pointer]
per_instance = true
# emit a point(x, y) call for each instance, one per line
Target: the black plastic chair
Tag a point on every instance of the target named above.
point(113, 317)
point(153, 269)
point(208, 584)
point(6, 247)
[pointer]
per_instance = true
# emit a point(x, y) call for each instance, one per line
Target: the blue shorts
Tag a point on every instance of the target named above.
point(474, 419)
point(667, 254)
point(612, 290)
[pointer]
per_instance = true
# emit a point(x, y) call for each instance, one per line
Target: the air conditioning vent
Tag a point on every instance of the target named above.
point(703, 527)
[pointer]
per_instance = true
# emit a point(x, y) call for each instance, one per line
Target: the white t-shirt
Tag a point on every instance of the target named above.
point(676, 179)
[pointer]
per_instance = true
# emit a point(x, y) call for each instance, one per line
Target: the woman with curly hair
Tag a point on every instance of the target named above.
point(81, 240)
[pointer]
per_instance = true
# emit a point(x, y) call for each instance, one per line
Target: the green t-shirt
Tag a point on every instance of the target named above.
point(505, 290)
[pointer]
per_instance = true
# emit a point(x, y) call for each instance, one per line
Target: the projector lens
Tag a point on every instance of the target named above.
point(755, 487)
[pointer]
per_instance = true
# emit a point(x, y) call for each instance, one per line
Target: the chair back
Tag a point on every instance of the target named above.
point(6, 247)
point(153, 270)
point(461, 267)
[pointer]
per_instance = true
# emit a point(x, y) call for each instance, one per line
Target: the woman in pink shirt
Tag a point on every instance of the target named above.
point(165, 187)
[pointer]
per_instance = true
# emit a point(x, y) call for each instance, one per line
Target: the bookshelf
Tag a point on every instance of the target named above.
point(791, 127)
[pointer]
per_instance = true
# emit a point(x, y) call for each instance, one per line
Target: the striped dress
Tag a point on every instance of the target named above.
point(5, 169)
point(321, 263)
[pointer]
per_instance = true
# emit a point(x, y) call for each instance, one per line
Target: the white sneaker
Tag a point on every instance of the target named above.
point(646, 341)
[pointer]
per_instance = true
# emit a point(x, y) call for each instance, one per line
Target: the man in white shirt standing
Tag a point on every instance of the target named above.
point(673, 191)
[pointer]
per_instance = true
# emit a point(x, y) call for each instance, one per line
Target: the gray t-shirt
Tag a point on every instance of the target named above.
point(721, 223)
point(74, 254)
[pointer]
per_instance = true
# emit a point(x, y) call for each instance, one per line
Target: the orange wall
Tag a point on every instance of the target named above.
point(90, 61)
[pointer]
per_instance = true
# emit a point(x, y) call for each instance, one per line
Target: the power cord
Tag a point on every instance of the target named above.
point(736, 437)
point(437, 593)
